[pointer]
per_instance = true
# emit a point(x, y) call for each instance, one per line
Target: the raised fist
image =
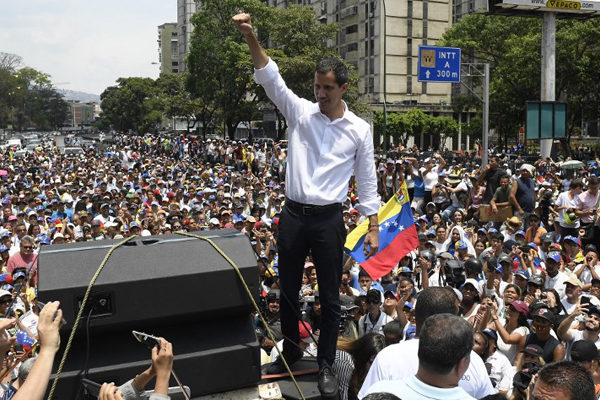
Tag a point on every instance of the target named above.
point(243, 23)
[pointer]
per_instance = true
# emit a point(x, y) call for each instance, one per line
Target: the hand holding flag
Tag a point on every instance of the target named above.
point(396, 237)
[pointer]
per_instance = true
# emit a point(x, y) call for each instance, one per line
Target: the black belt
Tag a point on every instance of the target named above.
point(311, 209)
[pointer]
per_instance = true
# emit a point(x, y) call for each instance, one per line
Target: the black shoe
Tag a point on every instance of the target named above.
point(278, 367)
point(328, 383)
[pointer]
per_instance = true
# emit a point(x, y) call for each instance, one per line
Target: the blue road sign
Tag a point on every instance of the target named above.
point(439, 64)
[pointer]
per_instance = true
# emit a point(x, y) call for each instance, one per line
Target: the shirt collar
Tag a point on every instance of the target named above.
point(316, 110)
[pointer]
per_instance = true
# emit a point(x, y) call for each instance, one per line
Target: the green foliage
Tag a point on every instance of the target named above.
point(400, 126)
point(512, 47)
point(221, 70)
point(132, 104)
point(27, 98)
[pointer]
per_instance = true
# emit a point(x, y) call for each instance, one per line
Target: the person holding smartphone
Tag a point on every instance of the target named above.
point(591, 326)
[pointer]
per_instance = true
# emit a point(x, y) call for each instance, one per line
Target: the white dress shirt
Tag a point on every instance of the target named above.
point(322, 154)
point(401, 360)
point(412, 388)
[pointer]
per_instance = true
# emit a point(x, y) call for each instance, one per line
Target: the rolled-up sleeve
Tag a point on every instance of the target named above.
point(366, 175)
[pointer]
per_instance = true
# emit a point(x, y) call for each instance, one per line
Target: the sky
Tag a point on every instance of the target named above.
point(85, 45)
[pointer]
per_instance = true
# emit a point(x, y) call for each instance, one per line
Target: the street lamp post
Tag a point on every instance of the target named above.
point(385, 139)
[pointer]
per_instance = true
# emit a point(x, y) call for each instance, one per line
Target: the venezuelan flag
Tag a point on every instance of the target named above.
point(397, 236)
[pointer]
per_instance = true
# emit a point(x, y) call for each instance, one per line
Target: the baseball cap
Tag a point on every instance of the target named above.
point(461, 245)
point(95, 223)
point(374, 296)
point(491, 333)
point(584, 350)
point(554, 256)
point(431, 203)
point(572, 239)
point(504, 259)
point(446, 255)
point(4, 293)
point(536, 280)
point(474, 283)
point(347, 302)
point(533, 350)
point(305, 330)
point(520, 306)
point(547, 238)
point(593, 310)
point(522, 273)
point(521, 232)
point(543, 313)
point(575, 282)
point(19, 274)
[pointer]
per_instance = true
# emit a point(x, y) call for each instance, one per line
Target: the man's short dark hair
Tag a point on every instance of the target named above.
point(576, 184)
point(335, 65)
point(570, 377)
point(444, 340)
point(381, 396)
point(497, 236)
point(434, 300)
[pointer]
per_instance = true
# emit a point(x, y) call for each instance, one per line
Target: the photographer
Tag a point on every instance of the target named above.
point(162, 363)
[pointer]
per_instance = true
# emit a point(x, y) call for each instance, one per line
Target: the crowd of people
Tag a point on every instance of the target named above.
point(528, 285)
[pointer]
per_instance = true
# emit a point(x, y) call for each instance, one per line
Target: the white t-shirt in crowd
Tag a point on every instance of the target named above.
point(510, 350)
point(430, 179)
point(400, 361)
point(577, 335)
point(412, 388)
point(501, 372)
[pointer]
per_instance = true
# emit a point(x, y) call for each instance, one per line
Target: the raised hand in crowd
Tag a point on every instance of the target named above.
point(37, 381)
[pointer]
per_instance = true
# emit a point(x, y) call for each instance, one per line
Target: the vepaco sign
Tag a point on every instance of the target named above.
point(561, 6)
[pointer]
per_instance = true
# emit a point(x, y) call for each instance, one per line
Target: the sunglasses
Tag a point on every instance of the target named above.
point(7, 301)
point(28, 247)
point(372, 301)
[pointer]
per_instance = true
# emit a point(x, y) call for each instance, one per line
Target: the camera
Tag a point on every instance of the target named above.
point(454, 273)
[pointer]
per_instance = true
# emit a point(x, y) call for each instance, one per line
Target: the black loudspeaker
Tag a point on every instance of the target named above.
point(210, 357)
point(172, 286)
point(155, 279)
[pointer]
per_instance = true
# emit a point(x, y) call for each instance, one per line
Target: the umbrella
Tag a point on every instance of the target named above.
point(572, 164)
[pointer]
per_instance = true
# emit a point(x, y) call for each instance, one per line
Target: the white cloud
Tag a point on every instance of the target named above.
point(89, 44)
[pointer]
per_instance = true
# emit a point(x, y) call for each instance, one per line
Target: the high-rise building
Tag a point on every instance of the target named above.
point(185, 10)
point(168, 50)
point(365, 36)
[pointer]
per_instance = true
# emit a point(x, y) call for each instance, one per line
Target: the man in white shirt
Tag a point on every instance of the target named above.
point(445, 344)
point(327, 143)
point(400, 361)
point(573, 288)
point(591, 327)
point(555, 278)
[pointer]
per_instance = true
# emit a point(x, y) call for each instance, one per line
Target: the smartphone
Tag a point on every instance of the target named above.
point(585, 301)
point(62, 321)
point(150, 341)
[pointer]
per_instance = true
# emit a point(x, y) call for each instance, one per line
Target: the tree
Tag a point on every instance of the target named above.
point(132, 104)
point(445, 127)
point(221, 70)
point(415, 122)
point(512, 47)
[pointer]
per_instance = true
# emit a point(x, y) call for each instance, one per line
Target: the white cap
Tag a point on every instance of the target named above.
point(475, 284)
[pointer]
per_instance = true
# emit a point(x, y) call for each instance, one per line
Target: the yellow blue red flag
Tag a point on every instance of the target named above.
point(397, 236)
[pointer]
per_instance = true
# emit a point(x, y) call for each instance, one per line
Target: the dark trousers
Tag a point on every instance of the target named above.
point(323, 236)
